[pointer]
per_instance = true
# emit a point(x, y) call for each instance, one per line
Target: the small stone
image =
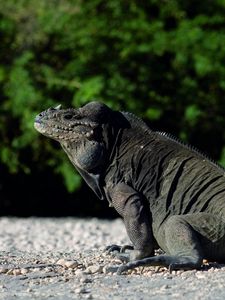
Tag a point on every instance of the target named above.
point(94, 269)
point(199, 275)
point(24, 271)
point(36, 269)
point(149, 273)
point(16, 272)
point(3, 270)
point(61, 262)
point(71, 264)
point(80, 290)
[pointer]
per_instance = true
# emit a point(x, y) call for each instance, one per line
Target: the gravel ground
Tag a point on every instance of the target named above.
point(49, 258)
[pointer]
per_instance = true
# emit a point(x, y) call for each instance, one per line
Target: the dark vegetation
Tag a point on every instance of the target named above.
point(162, 60)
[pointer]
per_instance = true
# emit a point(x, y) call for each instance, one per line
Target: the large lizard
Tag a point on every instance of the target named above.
point(169, 194)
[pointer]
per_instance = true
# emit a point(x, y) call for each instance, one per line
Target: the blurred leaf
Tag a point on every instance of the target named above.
point(183, 136)
point(153, 113)
point(71, 177)
point(10, 158)
point(192, 114)
point(203, 65)
point(89, 90)
point(222, 157)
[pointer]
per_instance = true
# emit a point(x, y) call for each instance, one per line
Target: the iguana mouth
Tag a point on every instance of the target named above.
point(59, 131)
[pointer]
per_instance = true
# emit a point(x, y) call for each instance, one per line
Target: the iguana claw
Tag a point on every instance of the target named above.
point(121, 249)
point(112, 248)
point(120, 252)
point(126, 247)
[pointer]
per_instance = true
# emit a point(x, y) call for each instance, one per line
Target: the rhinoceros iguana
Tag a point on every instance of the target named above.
point(169, 195)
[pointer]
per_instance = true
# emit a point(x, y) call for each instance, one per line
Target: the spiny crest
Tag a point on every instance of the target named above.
point(187, 146)
point(137, 122)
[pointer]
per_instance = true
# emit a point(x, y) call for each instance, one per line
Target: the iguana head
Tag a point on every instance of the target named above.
point(72, 124)
point(88, 136)
point(85, 133)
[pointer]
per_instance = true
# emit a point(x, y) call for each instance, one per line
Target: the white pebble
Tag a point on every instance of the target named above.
point(16, 272)
point(36, 269)
point(24, 271)
point(200, 275)
point(61, 262)
point(80, 290)
point(71, 264)
point(67, 263)
point(94, 269)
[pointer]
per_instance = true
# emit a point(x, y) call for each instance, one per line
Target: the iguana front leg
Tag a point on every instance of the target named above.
point(137, 220)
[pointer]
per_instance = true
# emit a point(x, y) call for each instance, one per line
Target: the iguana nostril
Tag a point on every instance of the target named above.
point(37, 119)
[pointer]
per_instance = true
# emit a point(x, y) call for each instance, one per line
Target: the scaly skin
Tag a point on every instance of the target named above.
point(168, 194)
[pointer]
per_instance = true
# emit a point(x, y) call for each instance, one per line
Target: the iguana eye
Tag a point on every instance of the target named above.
point(68, 117)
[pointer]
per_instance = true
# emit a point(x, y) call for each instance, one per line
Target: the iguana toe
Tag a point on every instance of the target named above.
point(112, 248)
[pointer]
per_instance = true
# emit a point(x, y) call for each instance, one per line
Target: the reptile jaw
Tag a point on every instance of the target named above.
point(62, 133)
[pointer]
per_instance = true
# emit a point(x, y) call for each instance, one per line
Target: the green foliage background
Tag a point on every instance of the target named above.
point(163, 60)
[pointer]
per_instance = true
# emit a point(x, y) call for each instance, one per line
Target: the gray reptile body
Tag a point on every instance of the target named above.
point(168, 194)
